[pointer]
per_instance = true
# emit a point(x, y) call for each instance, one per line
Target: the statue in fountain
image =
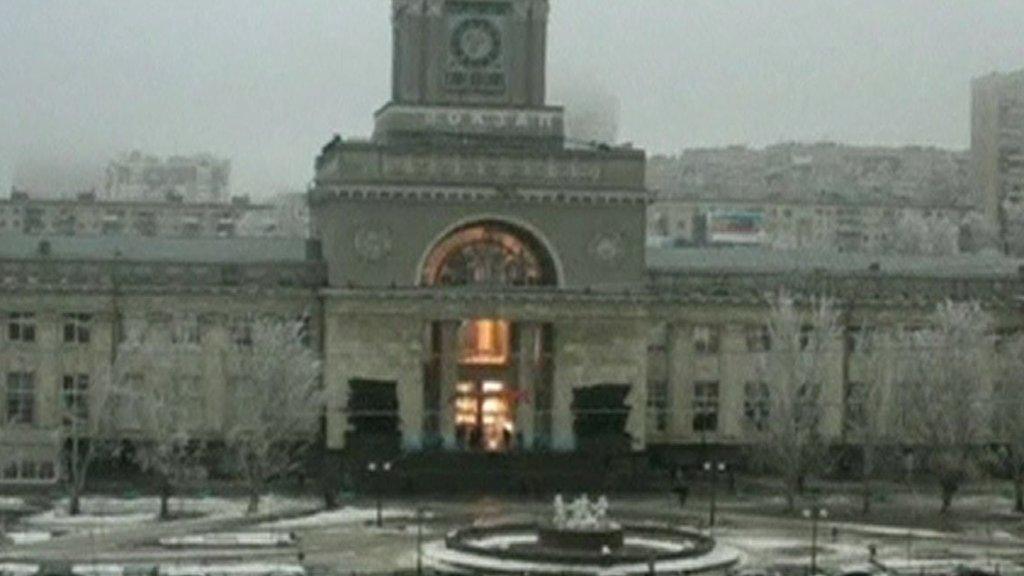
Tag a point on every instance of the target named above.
point(561, 518)
point(581, 525)
point(581, 514)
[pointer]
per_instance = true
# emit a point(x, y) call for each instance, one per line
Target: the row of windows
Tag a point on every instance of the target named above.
point(22, 327)
point(756, 405)
point(705, 405)
point(20, 397)
point(28, 470)
point(707, 339)
point(77, 328)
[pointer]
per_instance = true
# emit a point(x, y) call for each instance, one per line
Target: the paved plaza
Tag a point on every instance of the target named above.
point(906, 534)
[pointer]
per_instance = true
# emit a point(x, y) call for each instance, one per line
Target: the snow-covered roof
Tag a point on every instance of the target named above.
point(764, 261)
point(194, 250)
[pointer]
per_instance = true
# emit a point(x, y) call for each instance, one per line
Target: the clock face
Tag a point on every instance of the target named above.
point(476, 43)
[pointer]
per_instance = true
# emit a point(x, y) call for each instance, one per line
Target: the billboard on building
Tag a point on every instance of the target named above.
point(735, 227)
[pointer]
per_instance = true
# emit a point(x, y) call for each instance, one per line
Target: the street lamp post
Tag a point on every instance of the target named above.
point(419, 541)
point(714, 468)
point(814, 514)
point(377, 471)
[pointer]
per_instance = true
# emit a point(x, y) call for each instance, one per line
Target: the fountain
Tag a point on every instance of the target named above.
point(579, 538)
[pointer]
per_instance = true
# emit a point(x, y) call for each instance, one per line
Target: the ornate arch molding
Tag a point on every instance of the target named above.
point(488, 252)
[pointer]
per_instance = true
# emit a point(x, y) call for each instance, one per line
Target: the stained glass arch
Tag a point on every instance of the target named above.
point(489, 254)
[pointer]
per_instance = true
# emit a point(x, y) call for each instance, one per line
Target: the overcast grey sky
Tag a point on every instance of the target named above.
point(266, 83)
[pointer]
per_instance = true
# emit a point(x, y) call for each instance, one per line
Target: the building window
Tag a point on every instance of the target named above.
point(20, 469)
point(657, 403)
point(241, 333)
point(658, 376)
point(756, 405)
point(77, 328)
point(705, 407)
point(759, 339)
point(806, 335)
point(21, 327)
point(21, 398)
point(75, 396)
point(706, 339)
point(185, 330)
point(854, 406)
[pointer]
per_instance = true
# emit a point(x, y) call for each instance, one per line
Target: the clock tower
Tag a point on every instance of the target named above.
point(469, 245)
point(469, 52)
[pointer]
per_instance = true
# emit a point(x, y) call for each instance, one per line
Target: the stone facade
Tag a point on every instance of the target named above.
point(478, 266)
point(135, 176)
point(997, 153)
point(87, 216)
point(867, 227)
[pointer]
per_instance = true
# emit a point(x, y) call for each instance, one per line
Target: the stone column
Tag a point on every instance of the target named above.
point(680, 358)
point(449, 380)
point(569, 374)
point(529, 344)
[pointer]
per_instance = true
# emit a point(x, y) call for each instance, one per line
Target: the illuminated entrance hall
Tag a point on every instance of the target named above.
point(486, 399)
point(487, 372)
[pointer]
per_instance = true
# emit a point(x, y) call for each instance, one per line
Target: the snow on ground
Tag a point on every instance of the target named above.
point(18, 569)
point(230, 540)
point(58, 519)
point(28, 537)
point(12, 504)
point(104, 512)
point(897, 531)
point(250, 569)
point(247, 569)
point(341, 517)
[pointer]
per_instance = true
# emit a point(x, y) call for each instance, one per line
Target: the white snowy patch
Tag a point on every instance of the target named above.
point(341, 517)
point(98, 569)
point(58, 519)
point(28, 537)
point(251, 569)
point(12, 504)
point(878, 530)
point(105, 512)
point(229, 540)
point(244, 569)
point(18, 569)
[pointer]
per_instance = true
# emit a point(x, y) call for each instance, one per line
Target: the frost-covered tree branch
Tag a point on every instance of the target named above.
point(158, 400)
point(803, 341)
point(945, 400)
point(275, 401)
point(1008, 407)
point(870, 414)
point(87, 431)
point(915, 233)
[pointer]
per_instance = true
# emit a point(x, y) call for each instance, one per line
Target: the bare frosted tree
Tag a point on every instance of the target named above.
point(943, 394)
point(869, 415)
point(275, 401)
point(803, 342)
point(915, 233)
point(86, 430)
point(1008, 406)
point(979, 234)
point(158, 400)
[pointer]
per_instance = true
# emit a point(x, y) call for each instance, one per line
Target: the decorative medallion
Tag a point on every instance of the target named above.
point(607, 246)
point(476, 43)
point(373, 244)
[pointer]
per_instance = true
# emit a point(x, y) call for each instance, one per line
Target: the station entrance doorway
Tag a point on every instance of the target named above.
point(485, 395)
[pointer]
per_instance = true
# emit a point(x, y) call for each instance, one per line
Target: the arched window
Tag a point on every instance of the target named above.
point(488, 254)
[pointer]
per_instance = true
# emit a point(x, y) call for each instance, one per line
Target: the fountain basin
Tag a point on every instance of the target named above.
point(598, 540)
point(517, 549)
